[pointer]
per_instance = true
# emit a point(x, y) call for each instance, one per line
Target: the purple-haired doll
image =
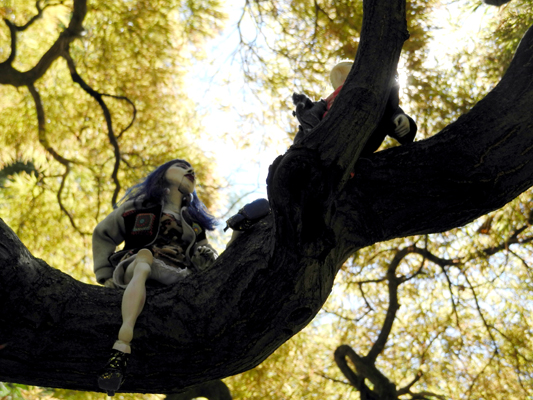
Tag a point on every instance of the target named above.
point(162, 224)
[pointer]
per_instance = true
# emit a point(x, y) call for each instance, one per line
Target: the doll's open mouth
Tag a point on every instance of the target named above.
point(190, 177)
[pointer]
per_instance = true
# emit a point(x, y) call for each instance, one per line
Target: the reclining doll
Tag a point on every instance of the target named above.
point(163, 224)
point(394, 122)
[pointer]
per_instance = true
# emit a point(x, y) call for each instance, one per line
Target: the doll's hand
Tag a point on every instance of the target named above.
point(109, 283)
point(204, 257)
point(401, 124)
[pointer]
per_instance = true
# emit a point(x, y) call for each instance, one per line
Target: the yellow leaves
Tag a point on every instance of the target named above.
point(130, 49)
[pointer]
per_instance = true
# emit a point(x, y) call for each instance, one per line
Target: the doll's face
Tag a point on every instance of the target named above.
point(182, 176)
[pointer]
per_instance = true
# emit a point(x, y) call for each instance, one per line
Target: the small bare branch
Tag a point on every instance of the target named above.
point(364, 297)
point(394, 282)
point(41, 123)
point(407, 389)
point(332, 379)
point(107, 115)
point(13, 29)
point(39, 14)
point(63, 208)
point(480, 312)
point(473, 383)
point(134, 112)
point(452, 299)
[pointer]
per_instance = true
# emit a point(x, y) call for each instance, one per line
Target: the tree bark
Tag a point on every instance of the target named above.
point(273, 279)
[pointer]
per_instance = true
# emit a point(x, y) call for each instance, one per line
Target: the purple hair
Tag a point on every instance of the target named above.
point(152, 190)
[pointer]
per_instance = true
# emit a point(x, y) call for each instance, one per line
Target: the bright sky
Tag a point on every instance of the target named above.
point(245, 169)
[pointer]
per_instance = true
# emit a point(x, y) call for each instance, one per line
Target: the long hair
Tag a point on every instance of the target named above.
point(152, 190)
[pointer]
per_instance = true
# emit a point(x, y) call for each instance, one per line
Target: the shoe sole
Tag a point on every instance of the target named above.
point(110, 385)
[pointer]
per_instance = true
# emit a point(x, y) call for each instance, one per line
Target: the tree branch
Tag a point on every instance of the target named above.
point(62, 206)
point(383, 387)
point(109, 122)
point(11, 76)
point(365, 91)
point(407, 389)
point(43, 140)
point(489, 160)
point(13, 29)
point(212, 390)
point(393, 283)
point(273, 279)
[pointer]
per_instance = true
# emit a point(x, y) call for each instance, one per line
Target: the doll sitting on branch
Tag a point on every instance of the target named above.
point(394, 122)
point(162, 223)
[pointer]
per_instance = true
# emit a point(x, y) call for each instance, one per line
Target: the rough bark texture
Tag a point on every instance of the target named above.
point(272, 280)
point(212, 390)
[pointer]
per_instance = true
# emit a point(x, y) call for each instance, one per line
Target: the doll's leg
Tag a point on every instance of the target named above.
point(134, 297)
point(111, 376)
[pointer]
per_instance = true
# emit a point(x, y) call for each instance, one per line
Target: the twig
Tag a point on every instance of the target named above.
point(332, 379)
point(407, 389)
point(62, 207)
point(107, 115)
point(393, 283)
point(480, 312)
point(480, 373)
point(41, 127)
point(364, 297)
point(13, 29)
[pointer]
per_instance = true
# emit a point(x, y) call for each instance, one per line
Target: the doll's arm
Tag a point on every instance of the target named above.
point(404, 127)
point(107, 235)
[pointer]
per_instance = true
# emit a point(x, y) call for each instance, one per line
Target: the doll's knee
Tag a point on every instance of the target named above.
point(142, 268)
point(145, 256)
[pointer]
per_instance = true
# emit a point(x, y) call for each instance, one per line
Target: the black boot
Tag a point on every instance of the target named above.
point(111, 377)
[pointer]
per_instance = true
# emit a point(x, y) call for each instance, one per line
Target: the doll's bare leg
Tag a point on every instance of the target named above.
point(234, 236)
point(134, 297)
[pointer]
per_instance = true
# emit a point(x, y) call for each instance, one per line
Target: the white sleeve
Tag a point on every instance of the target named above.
point(107, 235)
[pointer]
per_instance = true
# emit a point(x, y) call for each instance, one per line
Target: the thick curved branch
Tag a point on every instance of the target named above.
point(340, 359)
point(273, 279)
point(362, 99)
point(11, 76)
point(13, 29)
point(472, 167)
point(383, 387)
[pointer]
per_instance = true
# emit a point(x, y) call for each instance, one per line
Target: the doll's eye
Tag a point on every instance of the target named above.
point(183, 164)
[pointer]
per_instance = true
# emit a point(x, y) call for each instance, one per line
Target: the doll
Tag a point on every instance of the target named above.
point(163, 224)
point(394, 121)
